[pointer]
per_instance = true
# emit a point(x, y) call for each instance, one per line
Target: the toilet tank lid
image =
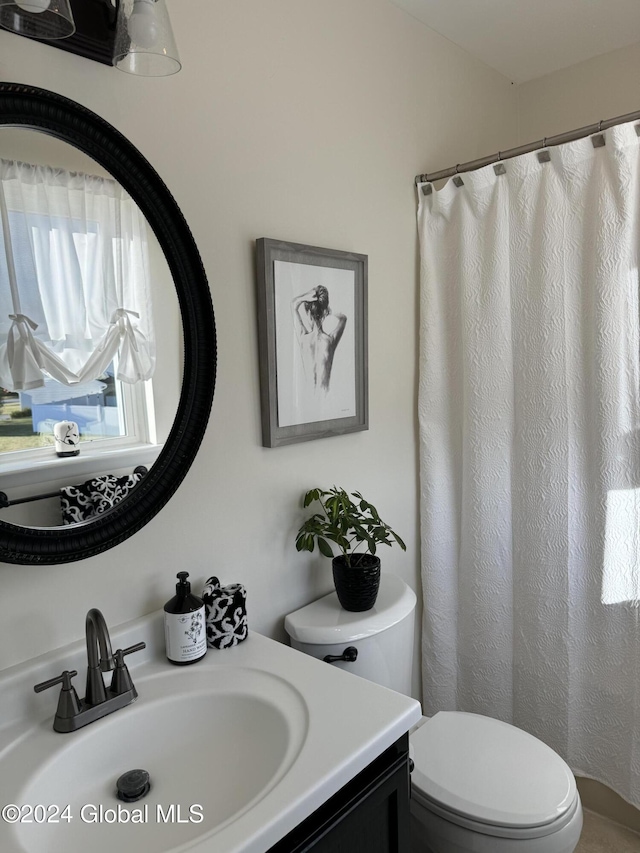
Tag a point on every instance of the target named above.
point(324, 622)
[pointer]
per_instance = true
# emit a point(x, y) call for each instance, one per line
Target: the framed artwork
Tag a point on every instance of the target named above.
point(312, 329)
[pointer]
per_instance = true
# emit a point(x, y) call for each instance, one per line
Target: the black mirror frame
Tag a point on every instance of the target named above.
point(41, 110)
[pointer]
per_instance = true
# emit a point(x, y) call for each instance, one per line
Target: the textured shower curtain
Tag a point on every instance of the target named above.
point(530, 450)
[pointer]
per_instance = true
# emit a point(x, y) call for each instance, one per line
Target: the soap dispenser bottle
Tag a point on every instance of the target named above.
point(184, 624)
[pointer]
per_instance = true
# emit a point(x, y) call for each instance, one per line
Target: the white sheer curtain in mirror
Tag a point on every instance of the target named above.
point(74, 279)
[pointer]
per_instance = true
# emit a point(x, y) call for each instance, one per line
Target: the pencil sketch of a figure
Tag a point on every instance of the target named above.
point(318, 331)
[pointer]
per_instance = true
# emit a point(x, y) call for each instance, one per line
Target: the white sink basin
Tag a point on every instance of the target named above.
point(258, 736)
point(247, 725)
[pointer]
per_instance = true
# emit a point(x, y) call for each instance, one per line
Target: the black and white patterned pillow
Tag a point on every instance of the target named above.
point(226, 614)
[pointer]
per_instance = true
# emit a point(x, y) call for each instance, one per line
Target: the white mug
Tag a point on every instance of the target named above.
point(67, 438)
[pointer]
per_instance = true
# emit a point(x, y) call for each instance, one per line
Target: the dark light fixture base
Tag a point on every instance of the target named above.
point(95, 33)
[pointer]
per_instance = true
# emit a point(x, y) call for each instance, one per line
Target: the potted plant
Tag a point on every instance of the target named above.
point(350, 525)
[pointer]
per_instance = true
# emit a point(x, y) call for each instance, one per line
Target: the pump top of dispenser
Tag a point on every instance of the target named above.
point(184, 601)
point(183, 587)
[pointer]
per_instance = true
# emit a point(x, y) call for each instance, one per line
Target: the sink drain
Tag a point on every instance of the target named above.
point(133, 785)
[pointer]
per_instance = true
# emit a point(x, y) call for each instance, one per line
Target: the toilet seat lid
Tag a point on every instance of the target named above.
point(490, 771)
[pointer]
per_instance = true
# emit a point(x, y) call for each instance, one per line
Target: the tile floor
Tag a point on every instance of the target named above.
point(600, 835)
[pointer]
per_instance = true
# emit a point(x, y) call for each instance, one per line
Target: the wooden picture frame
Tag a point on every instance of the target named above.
point(312, 333)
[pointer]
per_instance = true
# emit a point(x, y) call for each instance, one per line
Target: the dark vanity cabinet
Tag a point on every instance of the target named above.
point(370, 814)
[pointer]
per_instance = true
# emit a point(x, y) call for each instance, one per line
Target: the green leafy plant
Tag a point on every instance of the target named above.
point(347, 523)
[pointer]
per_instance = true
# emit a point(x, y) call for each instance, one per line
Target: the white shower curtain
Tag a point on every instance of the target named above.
point(529, 409)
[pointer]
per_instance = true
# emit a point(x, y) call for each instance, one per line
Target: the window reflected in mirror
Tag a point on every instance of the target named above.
point(27, 418)
point(90, 330)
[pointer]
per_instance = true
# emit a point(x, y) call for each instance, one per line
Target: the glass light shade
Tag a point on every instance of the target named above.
point(145, 44)
point(41, 19)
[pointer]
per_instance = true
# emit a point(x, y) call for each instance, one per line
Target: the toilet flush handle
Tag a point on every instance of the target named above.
point(349, 655)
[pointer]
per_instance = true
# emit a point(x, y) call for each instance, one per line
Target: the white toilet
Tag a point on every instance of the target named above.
point(478, 785)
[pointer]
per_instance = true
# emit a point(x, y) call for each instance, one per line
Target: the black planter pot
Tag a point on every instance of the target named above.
point(357, 585)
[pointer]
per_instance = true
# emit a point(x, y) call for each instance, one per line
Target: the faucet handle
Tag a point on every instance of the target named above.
point(68, 702)
point(121, 681)
point(64, 679)
point(120, 653)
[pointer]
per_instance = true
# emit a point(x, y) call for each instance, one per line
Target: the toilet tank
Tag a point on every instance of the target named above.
point(382, 636)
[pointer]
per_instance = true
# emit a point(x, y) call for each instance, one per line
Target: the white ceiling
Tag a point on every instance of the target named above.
point(525, 39)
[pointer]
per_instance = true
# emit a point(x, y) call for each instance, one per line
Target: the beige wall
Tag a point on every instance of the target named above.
point(601, 88)
point(301, 120)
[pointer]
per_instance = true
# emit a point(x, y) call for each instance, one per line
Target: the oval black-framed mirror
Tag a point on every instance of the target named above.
point(53, 114)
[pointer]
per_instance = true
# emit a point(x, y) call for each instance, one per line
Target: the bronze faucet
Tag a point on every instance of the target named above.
point(73, 713)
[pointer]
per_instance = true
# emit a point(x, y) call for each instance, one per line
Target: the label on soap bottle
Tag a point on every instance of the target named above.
point(185, 635)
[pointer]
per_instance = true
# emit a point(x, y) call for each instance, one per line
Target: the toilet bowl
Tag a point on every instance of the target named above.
point(478, 785)
point(485, 786)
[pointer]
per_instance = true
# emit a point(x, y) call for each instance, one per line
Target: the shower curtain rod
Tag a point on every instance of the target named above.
point(559, 139)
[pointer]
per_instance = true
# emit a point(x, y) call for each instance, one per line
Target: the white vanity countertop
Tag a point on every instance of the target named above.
point(349, 721)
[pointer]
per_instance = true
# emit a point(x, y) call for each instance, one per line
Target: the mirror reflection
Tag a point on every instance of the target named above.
point(90, 335)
